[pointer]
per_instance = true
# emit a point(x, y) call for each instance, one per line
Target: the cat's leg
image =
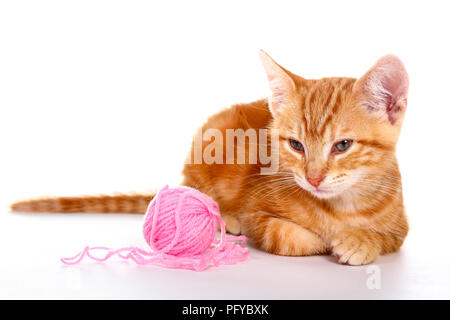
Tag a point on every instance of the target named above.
point(358, 246)
point(280, 236)
point(232, 224)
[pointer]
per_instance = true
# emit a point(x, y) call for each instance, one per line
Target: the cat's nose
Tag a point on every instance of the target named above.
point(315, 179)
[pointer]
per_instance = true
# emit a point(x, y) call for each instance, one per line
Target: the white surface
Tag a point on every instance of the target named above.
point(100, 96)
point(33, 244)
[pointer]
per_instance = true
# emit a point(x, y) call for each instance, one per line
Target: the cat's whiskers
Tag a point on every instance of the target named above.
point(273, 187)
point(384, 183)
point(373, 188)
point(281, 181)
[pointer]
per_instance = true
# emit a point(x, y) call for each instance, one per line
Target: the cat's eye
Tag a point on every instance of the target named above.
point(297, 146)
point(341, 146)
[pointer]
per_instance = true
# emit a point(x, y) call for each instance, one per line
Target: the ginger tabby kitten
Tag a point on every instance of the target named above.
point(338, 187)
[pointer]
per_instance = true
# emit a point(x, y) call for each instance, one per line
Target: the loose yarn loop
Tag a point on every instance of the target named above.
point(180, 227)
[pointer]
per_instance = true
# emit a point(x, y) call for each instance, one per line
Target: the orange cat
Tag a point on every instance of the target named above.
point(337, 186)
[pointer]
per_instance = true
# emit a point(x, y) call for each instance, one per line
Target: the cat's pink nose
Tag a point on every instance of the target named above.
point(315, 180)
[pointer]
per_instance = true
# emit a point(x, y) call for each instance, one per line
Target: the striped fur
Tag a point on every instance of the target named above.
point(282, 213)
point(121, 203)
point(361, 214)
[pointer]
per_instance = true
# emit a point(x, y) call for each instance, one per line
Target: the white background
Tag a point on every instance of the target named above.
point(102, 96)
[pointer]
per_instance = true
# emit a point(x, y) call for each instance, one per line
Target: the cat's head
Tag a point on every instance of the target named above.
point(338, 134)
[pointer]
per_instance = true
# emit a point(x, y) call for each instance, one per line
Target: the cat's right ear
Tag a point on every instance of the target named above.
point(281, 84)
point(383, 90)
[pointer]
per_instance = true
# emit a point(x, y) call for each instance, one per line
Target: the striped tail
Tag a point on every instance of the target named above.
point(121, 203)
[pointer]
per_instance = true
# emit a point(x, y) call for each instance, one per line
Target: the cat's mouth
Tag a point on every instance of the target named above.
point(320, 191)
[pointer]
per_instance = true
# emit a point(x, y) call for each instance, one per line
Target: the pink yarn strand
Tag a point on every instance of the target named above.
point(192, 222)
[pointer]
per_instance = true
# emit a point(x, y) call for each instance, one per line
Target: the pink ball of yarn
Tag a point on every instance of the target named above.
point(181, 221)
point(180, 227)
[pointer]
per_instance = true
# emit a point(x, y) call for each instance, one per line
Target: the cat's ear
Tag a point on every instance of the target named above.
point(280, 82)
point(384, 89)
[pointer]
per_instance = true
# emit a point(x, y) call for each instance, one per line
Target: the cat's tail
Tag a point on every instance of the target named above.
point(118, 203)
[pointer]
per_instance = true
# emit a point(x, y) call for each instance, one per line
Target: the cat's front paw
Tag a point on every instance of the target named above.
point(354, 247)
point(232, 225)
